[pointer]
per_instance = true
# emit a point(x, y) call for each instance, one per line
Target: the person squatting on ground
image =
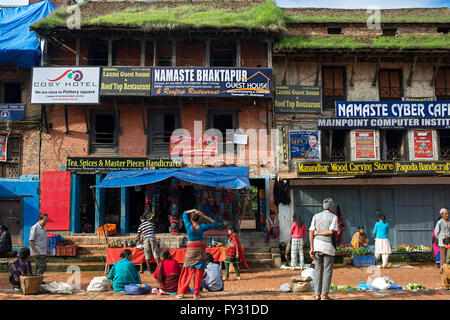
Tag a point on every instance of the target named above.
point(195, 258)
point(322, 252)
point(167, 273)
point(213, 275)
point(39, 244)
point(6, 243)
point(382, 243)
point(146, 234)
point(442, 230)
point(298, 232)
point(359, 239)
point(123, 272)
point(272, 226)
point(445, 268)
point(235, 254)
point(20, 267)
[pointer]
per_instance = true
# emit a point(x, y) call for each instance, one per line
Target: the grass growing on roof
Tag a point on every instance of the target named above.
point(348, 42)
point(264, 16)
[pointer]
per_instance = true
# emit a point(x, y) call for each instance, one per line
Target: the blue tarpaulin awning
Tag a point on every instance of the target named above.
point(18, 44)
point(219, 177)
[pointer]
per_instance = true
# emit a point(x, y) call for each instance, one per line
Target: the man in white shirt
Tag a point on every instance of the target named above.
point(322, 251)
point(39, 244)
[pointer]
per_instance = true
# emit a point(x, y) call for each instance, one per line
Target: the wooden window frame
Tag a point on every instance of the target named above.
point(380, 88)
point(152, 134)
point(114, 147)
point(333, 98)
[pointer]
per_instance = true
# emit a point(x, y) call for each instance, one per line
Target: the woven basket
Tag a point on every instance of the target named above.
point(31, 284)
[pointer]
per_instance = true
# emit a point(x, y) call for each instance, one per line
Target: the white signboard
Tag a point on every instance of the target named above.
point(65, 85)
point(14, 3)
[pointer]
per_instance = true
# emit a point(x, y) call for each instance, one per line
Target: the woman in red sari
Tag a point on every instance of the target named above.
point(195, 259)
point(235, 254)
point(167, 273)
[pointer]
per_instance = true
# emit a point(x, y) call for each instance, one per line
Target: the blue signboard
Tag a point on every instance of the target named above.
point(305, 145)
point(12, 111)
point(211, 82)
point(392, 109)
point(382, 123)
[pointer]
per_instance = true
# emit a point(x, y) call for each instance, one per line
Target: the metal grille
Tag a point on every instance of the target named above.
point(328, 102)
point(390, 93)
point(12, 167)
point(337, 154)
point(445, 153)
point(393, 154)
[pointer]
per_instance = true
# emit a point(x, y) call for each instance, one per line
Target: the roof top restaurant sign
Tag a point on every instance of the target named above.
point(305, 99)
point(211, 82)
point(126, 81)
point(65, 85)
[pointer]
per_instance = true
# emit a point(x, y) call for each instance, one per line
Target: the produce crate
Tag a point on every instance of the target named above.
point(363, 261)
point(109, 228)
point(66, 251)
point(52, 242)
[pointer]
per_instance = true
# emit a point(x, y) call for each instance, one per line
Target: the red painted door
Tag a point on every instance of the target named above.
point(55, 199)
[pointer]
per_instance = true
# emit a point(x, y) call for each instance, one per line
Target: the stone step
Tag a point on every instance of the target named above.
point(257, 255)
point(259, 263)
point(91, 249)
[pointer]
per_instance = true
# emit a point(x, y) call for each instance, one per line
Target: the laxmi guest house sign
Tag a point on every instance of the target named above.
point(126, 81)
point(305, 99)
point(211, 82)
point(388, 115)
point(65, 85)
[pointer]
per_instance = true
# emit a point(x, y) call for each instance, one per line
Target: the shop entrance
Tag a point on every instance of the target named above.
point(137, 206)
point(87, 205)
point(112, 206)
point(12, 218)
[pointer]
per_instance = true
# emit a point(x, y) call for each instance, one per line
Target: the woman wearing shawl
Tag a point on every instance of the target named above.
point(167, 273)
point(20, 267)
point(195, 259)
point(235, 254)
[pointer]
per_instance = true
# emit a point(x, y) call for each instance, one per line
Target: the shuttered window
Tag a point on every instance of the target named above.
point(442, 84)
point(11, 168)
point(390, 84)
point(162, 123)
point(333, 84)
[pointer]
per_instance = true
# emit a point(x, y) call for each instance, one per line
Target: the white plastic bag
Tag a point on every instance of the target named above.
point(58, 287)
point(98, 284)
point(285, 287)
point(308, 273)
point(382, 283)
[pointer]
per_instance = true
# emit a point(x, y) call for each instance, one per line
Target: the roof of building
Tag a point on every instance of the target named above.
point(262, 16)
point(406, 15)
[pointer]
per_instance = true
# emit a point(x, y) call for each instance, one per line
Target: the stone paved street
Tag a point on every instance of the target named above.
point(265, 284)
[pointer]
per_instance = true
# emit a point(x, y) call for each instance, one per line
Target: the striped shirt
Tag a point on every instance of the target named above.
point(146, 229)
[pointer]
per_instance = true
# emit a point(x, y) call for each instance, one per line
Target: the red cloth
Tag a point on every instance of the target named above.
point(196, 245)
point(167, 273)
point(298, 232)
point(113, 254)
point(55, 199)
point(341, 225)
point(231, 252)
point(240, 250)
point(185, 280)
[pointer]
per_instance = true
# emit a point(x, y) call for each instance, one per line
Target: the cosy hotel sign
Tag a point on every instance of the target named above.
point(210, 82)
point(65, 85)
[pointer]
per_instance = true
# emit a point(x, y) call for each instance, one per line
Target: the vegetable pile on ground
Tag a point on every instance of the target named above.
point(410, 248)
point(334, 287)
point(415, 286)
point(342, 249)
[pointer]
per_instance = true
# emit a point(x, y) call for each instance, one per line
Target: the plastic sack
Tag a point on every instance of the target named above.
point(137, 289)
point(98, 284)
point(382, 283)
point(58, 287)
point(308, 273)
point(285, 287)
point(301, 287)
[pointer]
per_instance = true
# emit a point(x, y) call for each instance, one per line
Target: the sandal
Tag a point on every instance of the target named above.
point(197, 296)
point(180, 296)
point(326, 298)
point(316, 297)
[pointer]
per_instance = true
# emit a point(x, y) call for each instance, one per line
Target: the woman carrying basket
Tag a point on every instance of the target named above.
point(195, 259)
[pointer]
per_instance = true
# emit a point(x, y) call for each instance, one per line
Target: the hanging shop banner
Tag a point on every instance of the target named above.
point(3, 147)
point(12, 111)
point(126, 81)
point(422, 167)
point(383, 123)
point(345, 168)
point(365, 144)
point(300, 99)
point(392, 109)
point(118, 164)
point(210, 82)
point(65, 85)
point(305, 145)
point(423, 144)
point(190, 145)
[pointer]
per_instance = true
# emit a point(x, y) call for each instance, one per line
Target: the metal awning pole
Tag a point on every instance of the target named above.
point(241, 215)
